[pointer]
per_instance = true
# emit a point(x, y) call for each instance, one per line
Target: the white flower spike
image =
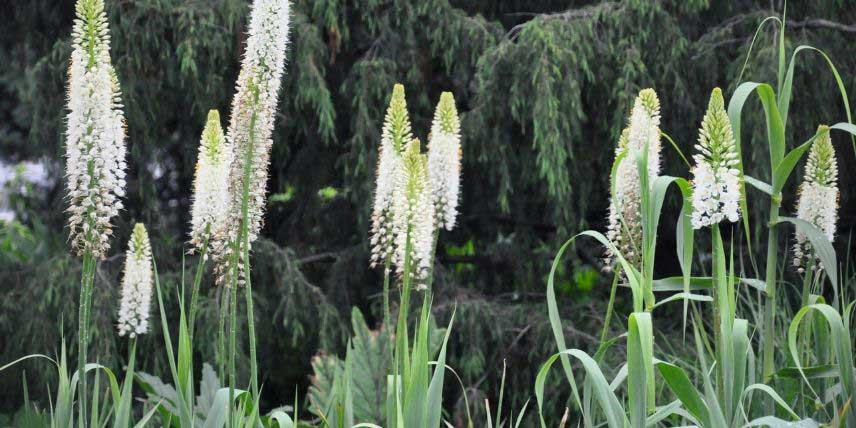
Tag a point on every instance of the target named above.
point(444, 160)
point(625, 221)
point(95, 144)
point(136, 285)
point(211, 184)
point(251, 126)
point(395, 136)
point(716, 178)
point(818, 198)
point(413, 214)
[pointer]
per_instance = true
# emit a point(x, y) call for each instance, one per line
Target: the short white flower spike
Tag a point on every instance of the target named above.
point(136, 285)
point(818, 198)
point(716, 177)
point(625, 220)
point(413, 214)
point(95, 143)
point(395, 136)
point(444, 160)
point(211, 184)
point(251, 125)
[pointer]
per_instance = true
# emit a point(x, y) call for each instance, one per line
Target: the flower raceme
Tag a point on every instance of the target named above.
point(413, 214)
point(251, 128)
point(716, 178)
point(641, 134)
point(136, 285)
point(211, 184)
point(818, 197)
point(95, 145)
point(444, 160)
point(395, 136)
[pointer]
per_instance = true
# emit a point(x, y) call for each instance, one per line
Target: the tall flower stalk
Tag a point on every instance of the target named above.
point(716, 198)
point(817, 205)
point(396, 134)
point(250, 133)
point(642, 136)
point(413, 225)
point(95, 157)
point(210, 198)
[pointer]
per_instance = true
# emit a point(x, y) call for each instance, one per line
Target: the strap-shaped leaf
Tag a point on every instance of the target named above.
point(680, 385)
point(608, 401)
point(821, 246)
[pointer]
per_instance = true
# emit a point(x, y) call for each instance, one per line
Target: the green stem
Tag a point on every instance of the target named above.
point(609, 309)
point(770, 307)
point(221, 333)
point(244, 239)
point(251, 326)
point(402, 347)
point(387, 321)
point(87, 283)
point(233, 326)
point(722, 311)
point(197, 280)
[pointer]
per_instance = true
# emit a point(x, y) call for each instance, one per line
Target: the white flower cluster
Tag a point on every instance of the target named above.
point(625, 220)
point(413, 214)
point(716, 178)
point(444, 160)
point(136, 285)
point(818, 198)
point(251, 125)
point(211, 184)
point(415, 194)
point(396, 134)
point(95, 145)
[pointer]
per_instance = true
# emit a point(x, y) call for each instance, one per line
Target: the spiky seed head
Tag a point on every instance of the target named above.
point(444, 160)
point(251, 128)
point(211, 184)
point(136, 285)
point(95, 135)
point(395, 136)
point(716, 176)
point(625, 221)
point(413, 214)
point(818, 198)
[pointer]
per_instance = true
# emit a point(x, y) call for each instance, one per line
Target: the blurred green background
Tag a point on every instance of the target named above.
point(543, 87)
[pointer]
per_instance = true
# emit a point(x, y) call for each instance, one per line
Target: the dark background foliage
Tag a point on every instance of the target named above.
point(543, 88)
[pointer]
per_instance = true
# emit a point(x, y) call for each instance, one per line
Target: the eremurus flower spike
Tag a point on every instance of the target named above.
point(395, 136)
point(625, 220)
point(211, 184)
point(818, 197)
point(136, 285)
point(251, 128)
point(444, 160)
point(95, 136)
point(716, 177)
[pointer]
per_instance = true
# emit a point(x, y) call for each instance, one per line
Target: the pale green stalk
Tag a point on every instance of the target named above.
point(387, 321)
point(87, 283)
point(197, 280)
point(233, 326)
point(609, 308)
point(221, 333)
point(769, 346)
point(243, 237)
